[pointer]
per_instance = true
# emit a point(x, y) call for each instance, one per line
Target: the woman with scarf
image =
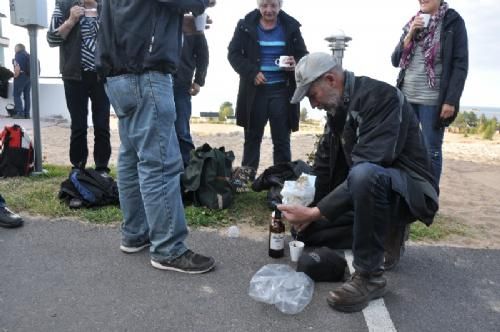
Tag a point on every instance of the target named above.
point(434, 65)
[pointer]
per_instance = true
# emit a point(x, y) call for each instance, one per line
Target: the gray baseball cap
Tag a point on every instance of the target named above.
point(309, 68)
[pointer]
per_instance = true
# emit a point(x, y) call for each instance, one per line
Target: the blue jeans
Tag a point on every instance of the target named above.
point(183, 109)
point(373, 202)
point(149, 163)
point(22, 86)
point(271, 103)
point(78, 94)
point(2, 202)
point(433, 135)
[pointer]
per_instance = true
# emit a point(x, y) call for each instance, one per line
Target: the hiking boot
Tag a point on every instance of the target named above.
point(9, 219)
point(394, 245)
point(189, 262)
point(355, 294)
point(131, 248)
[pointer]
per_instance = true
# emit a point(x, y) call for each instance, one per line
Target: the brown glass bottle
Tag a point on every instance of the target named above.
point(276, 235)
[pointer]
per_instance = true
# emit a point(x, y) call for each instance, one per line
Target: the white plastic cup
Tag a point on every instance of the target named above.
point(426, 18)
point(233, 231)
point(296, 248)
point(200, 22)
point(282, 61)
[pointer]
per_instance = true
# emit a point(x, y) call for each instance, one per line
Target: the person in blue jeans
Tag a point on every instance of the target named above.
point(9, 219)
point(139, 86)
point(193, 61)
point(22, 83)
point(371, 161)
point(434, 62)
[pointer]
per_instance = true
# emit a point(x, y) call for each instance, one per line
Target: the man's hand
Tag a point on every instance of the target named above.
point(299, 216)
point(195, 89)
point(447, 111)
point(259, 79)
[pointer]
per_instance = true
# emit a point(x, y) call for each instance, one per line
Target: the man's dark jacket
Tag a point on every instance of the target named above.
point(455, 59)
point(137, 36)
point(70, 56)
point(376, 125)
point(194, 61)
point(244, 56)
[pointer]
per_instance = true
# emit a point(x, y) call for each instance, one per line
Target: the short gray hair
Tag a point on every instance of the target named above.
point(260, 2)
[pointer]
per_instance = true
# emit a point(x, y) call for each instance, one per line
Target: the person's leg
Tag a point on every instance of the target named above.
point(18, 90)
point(433, 136)
point(145, 107)
point(27, 98)
point(255, 130)
point(100, 119)
point(371, 192)
point(280, 127)
point(183, 111)
point(334, 234)
point(77, 103)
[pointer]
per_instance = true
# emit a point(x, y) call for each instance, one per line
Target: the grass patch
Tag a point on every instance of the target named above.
point(37, 195)
point(441, 228)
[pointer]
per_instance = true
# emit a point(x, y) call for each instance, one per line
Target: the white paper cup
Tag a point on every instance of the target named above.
point(200, 22)
point(426, 18)
point(296, 248)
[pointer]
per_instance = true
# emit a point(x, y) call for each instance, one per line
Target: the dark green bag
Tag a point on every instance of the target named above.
point(208, 175)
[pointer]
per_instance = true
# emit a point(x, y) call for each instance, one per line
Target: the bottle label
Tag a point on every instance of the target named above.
point(277, 241)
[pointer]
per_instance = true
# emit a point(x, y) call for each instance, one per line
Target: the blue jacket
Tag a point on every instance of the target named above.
point(455, 57)
point(136, 36)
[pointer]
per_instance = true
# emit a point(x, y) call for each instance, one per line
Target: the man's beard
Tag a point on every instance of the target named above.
point(333, 104)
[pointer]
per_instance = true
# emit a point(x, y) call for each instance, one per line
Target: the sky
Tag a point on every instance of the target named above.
point(375, 28)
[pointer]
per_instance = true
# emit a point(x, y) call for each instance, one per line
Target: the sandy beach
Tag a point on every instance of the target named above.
point(470, 184)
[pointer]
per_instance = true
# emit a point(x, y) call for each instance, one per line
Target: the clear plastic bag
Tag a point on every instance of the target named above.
point(299, 192)
point(279, 284)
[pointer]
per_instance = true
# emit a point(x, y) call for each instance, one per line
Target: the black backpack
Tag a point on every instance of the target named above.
point(89, 187)
point(208, 175)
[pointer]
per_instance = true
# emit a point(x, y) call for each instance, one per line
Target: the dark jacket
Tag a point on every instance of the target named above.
point(455, 59)
point(244, 56)
point(376, 125)
point(69, 48)
point(136, 36)
point(194, 57)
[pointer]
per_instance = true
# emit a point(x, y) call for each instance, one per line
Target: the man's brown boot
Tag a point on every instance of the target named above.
point(355, 294)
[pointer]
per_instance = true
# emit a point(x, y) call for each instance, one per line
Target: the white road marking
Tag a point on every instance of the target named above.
point(376, 314)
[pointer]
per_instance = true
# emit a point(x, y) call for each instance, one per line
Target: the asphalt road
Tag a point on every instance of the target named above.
point(71, 276)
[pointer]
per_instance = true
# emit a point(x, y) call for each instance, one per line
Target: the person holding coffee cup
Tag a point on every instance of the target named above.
point(433, 56)
point(266, 44)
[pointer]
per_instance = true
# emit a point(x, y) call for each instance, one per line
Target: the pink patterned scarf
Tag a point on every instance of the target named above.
point(428, 39)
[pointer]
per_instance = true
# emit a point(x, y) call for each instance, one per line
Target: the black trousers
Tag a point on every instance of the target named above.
point(78, 94)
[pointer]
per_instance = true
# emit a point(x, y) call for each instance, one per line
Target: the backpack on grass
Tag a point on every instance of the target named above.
point(89, 188)
point(208, 175)
point(16, 152)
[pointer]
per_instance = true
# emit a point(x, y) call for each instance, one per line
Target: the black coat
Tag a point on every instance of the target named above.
point(244, 56)
point(375, 125)
point(455, 58)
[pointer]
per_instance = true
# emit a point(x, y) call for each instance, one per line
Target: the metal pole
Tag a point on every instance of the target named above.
point(34, 72)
